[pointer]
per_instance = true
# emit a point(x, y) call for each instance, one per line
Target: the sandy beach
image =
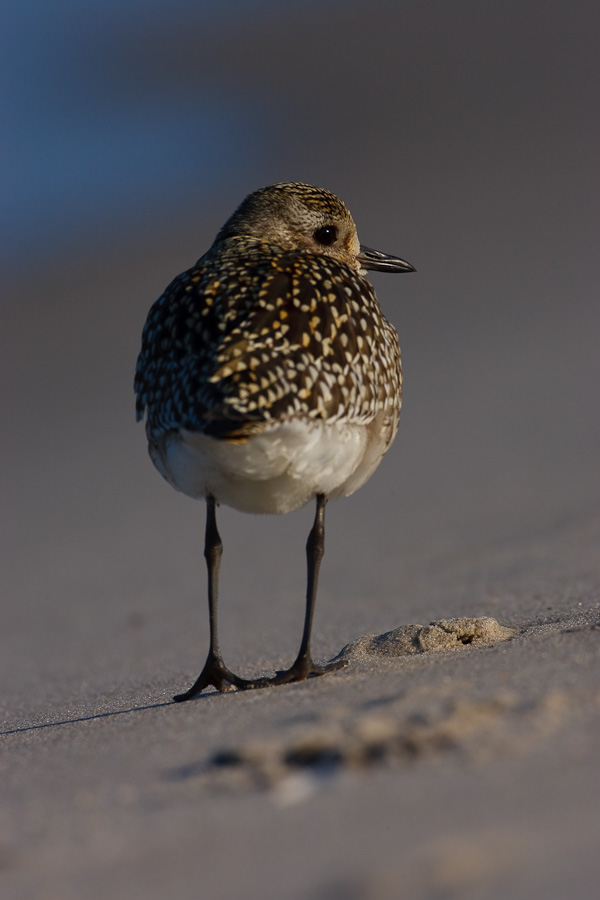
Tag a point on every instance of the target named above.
point(457, 759)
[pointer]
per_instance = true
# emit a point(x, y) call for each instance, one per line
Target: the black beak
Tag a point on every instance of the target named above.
point(382, 262)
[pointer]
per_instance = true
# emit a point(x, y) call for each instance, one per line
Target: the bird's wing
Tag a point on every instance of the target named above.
point(236, 343)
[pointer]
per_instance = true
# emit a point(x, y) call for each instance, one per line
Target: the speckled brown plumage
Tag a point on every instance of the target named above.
point(254, 333)
point(269, 376)
point(257, 331)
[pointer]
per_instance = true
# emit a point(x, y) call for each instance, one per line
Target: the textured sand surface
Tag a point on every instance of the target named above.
point(457, 753)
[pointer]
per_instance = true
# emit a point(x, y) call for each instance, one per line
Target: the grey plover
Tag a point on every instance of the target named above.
point(270, 377)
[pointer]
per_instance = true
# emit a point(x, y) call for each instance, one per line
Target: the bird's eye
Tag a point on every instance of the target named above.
point(327, 235)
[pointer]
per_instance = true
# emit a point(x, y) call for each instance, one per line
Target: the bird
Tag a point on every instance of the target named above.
point(269, 377)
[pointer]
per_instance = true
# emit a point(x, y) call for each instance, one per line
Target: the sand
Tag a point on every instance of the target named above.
point(457, 753)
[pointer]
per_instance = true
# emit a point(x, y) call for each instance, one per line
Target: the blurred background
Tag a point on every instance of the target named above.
point(463, 137)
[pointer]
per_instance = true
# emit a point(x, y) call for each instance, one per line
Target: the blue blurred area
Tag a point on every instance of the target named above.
point(116, 114)
point(95, 130)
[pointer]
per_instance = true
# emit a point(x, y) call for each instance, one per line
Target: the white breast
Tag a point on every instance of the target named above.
point(278, 470)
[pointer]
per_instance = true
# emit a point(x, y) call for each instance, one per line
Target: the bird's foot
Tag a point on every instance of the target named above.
point(304, 668)
point(216, 673)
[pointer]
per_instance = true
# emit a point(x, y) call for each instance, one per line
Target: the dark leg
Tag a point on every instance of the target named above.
point(303, 667)
point(215, 671)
